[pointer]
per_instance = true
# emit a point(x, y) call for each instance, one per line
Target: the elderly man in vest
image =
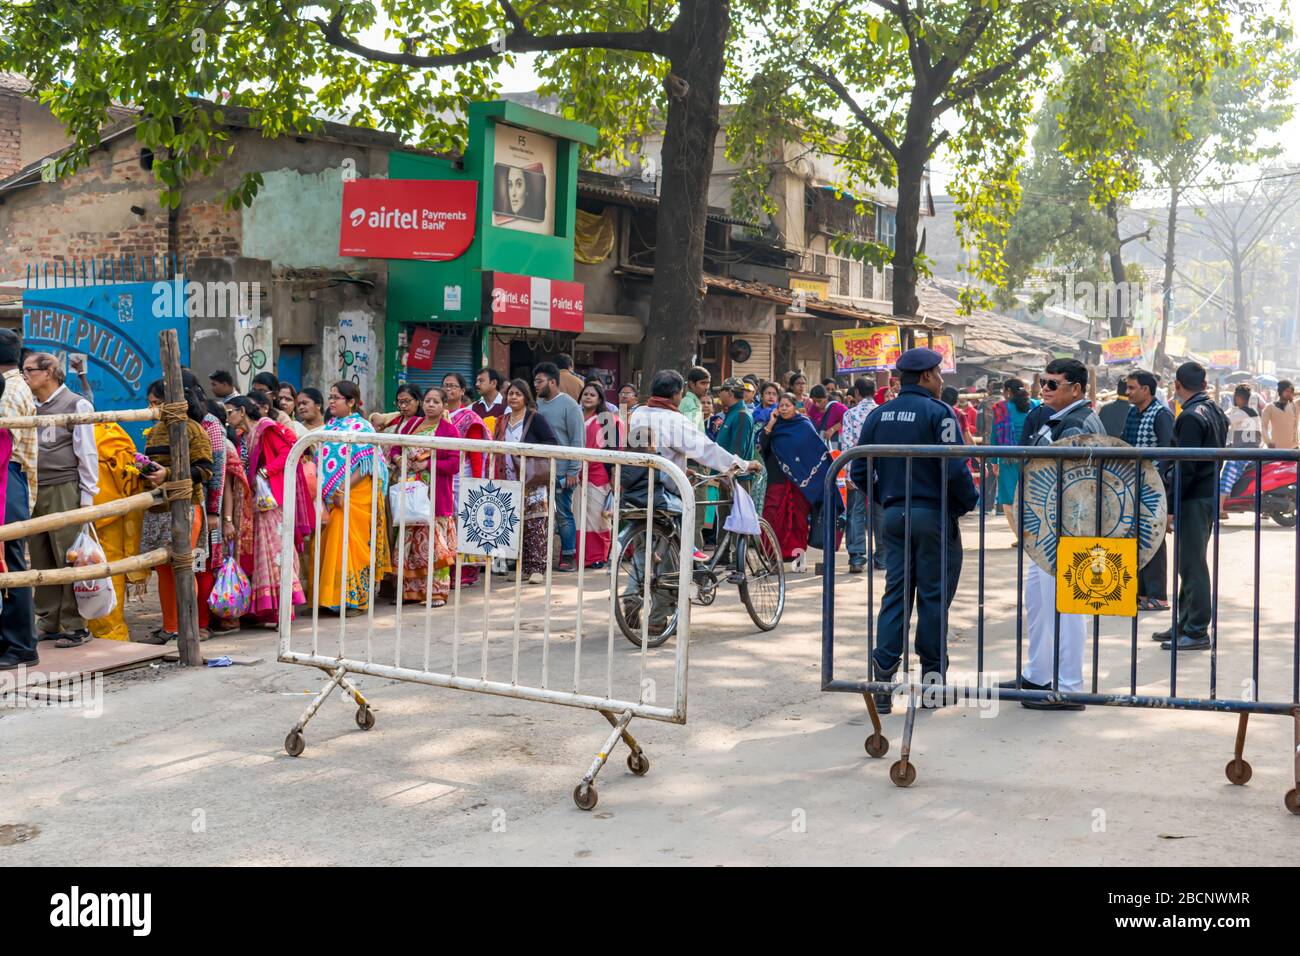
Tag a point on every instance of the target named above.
point(67, 477)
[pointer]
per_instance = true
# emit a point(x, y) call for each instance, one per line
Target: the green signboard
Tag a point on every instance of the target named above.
point(526, 164)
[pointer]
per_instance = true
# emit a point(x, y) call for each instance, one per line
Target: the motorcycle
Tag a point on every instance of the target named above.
point(1277, 491)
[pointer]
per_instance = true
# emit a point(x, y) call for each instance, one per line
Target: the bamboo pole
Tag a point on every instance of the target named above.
point(182, 550)
point(90, 513)
point(83, 572)
point(81, 418)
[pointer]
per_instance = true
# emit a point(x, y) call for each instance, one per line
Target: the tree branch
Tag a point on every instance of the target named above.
point(1136, 235)
point(839, 89)
point(986, 78)
point(519, 40)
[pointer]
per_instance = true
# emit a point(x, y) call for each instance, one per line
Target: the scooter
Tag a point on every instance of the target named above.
point(1277, 492)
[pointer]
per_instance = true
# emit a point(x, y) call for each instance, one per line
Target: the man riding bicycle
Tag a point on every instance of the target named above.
point(657, 426)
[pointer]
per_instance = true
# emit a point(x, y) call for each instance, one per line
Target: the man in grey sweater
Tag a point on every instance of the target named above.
point(565, 418)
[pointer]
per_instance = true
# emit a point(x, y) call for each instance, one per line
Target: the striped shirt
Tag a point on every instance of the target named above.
point(18, 402)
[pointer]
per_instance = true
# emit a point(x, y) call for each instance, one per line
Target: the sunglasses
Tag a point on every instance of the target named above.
point(1051, 384)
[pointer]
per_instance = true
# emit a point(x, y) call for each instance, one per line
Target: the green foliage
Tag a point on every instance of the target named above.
point(185, 67)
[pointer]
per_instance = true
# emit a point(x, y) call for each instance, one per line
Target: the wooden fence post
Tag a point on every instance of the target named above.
point(182, 512)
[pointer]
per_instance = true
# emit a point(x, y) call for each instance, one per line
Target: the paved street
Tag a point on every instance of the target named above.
point(188, 767)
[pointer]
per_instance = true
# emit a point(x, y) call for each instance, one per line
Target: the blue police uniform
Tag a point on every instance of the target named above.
point(916, 417)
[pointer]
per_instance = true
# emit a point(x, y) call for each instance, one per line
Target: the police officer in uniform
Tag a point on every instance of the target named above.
point(916, 417)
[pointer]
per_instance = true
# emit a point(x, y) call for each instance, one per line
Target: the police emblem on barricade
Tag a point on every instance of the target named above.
point(1121, 515)
point(1097, 576)
point(488, 517)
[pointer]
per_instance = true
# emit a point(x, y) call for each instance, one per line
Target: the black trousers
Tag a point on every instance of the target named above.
point(1195, 525)
point(1153, 580)
point(17, 622)
point(922, 592)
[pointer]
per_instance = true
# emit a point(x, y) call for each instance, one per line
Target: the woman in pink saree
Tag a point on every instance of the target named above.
point(265, 447)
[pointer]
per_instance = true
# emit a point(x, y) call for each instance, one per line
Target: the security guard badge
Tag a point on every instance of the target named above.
point(489, 517)
point(1097, 576)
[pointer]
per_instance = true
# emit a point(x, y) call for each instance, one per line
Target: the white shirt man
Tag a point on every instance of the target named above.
point(1064, 385)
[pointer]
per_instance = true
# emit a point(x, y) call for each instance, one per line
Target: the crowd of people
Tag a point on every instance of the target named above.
point(778, 438)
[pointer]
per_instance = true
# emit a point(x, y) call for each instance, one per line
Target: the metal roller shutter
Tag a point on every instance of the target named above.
point(456, 353)
point(760, 357)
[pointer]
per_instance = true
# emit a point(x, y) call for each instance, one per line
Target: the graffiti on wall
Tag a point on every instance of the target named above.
point(350, 345)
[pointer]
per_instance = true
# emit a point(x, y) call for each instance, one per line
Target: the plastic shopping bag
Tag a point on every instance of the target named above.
point(231, 591)
point(743, 518)
point(263, 499)
point(410, 498)
point(95, 599)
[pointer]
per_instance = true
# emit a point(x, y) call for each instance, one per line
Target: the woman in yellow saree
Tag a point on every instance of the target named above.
point(346, 550)
point(120, 536)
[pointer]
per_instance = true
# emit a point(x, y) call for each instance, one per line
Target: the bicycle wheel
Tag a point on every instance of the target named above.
point(629, 586)
point(763, 590)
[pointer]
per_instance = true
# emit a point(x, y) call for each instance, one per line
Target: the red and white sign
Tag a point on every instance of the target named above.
point(531, 303)
point(424, 346)
point(430, 219)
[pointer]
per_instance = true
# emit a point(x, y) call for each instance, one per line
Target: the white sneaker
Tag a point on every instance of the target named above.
point(536, 578)
point(800, 564)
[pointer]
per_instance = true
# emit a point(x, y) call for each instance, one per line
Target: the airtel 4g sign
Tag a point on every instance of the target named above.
point(427, 219)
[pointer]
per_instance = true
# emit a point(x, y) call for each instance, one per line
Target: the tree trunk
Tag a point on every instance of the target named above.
point(1123, 306)
point(1239, 310)
point(1167, 290)
point(911, 172)
point(698, 41)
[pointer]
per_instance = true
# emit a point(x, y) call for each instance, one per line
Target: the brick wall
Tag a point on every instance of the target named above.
point(10, 136)
point(207, 230)
point(93, 215)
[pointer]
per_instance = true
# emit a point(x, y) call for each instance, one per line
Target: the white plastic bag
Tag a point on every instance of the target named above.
point(263, 498)
point(410, 498)
point(743, 518)
point(95, 599)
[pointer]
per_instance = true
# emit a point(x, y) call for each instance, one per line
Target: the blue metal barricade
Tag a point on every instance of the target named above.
point(1282, 507)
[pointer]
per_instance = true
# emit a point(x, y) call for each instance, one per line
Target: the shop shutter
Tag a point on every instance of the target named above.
point(760, 357)
point(456, 353)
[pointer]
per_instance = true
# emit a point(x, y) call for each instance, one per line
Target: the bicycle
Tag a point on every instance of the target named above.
point(755, 568)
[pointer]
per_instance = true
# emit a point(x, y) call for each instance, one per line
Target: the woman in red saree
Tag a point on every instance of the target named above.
point(424, 543)
point(266, 445)
point(784, 506)
point(603, 430)
point(473, 464)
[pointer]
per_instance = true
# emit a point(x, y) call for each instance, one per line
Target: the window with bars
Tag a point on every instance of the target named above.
point(842, 285)
point(819, 265)
point(889, 284)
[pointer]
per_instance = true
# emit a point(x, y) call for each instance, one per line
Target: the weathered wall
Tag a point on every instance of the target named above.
point(285, 247)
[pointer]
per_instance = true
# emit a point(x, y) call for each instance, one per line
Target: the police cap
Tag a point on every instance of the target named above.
point(918, 360)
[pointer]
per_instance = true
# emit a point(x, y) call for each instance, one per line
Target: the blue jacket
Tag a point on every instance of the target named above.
point(915, 417)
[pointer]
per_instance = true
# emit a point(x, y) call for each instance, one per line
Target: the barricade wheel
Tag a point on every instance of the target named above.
point(903, 774)
point(639, 764)
point(365, 717)
point(585, 800)
point(295, 743)
point(1238, 771)
point(1292, 800)
point(877, 745)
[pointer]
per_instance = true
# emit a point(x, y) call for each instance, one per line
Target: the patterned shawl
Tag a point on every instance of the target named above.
point(802, 455)
point(364, 461)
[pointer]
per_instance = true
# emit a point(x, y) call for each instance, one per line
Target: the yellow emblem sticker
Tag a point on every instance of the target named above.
point(1097, 576)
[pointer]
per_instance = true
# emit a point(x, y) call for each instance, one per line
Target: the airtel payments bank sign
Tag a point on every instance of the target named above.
point(426, 219)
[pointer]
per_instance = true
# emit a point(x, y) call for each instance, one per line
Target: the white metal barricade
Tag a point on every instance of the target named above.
point(472, 623)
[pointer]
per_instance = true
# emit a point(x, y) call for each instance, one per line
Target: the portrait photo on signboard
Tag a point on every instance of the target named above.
point(523, 181)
